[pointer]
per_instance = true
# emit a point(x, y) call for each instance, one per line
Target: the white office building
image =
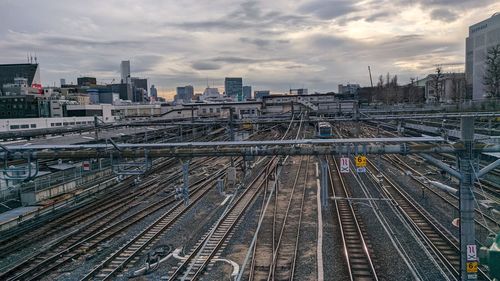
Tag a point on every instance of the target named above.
point(482, 36)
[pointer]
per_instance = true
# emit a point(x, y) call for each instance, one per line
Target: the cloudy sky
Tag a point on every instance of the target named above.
point(273, 45)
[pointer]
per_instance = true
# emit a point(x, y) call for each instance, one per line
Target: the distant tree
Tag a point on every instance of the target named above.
point(394, 81)
point(380, 83)
point(437, 84)
point(491, 79)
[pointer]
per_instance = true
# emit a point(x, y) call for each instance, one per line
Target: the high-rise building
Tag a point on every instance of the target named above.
point(258, 95)
point(482, 36)
point(210, 94)
point(247, 92)
point(125, 71)
point(184, 94)
point(233, 86)
point(153, 92)
point(86, 81)
point(63, 81)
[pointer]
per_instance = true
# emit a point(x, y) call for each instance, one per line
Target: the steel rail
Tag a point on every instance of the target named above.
point(359, 261)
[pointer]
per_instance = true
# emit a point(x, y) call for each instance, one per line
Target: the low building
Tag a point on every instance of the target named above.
point(258, 95)
point(348, 89)
point(23, 106)
point(86, 81)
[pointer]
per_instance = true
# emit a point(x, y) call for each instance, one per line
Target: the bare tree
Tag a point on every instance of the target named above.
point(437, 84)
point(380, 83)
point(491, 79)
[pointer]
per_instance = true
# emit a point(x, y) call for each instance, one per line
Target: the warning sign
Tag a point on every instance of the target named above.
point(360, 161)
point(344, 165)
point(86, 165)
point(471, 253)
point(472, 267)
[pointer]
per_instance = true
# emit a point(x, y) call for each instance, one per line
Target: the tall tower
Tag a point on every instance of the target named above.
point(125, 71)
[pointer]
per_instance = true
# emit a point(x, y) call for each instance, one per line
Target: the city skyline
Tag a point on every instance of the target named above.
point(275, 46)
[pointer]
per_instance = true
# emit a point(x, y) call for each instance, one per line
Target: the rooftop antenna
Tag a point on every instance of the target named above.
point(28, 57)
point(35, 58)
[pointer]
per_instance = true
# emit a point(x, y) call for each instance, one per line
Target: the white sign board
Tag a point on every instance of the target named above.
point(471, 253)
point(344, 165)
point(361, 169)
point(86, 166)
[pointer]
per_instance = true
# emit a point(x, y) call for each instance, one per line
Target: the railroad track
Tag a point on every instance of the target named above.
point(70, 249)
point(201, 255)
point(359, 261)
point(15, 240)
point(285, 256)
point(439, 241)
point(274, 255)
point(116, 262)
point(399, 163)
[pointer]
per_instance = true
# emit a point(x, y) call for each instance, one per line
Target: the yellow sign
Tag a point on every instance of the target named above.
point(472, 267)
point(360, 161)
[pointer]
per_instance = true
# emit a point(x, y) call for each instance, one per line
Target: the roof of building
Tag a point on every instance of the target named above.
point(10, 71)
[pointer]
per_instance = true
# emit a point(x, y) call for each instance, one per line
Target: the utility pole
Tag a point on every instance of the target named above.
point(468, 252)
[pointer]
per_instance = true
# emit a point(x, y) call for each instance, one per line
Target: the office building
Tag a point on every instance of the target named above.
point(125, 71)
point(30, 71)
point(247, 92)
point(153, 92)
point(258, 95)
point(63, 81)
point(210, 94)
point(233, 87)
point(141, 83)
point(482, 36)
point(86, 81)
point(184, 94)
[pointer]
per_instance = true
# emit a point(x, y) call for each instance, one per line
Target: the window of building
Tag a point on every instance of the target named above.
point(218, 110)
point(65, 123)
point(58, 124)
point(33, 125)
point(204, 110)
point(52, 124)
point(211, 110)
point(25, 126)
point(178, 112)
point(14, 127)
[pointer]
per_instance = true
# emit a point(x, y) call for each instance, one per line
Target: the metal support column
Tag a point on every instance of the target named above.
point(324, 181)
point(468, 263)
point(185, 179)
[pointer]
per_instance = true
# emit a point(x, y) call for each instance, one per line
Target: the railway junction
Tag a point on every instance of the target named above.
point(297, 196)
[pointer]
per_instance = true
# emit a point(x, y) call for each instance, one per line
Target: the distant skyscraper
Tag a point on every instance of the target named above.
point(153, 92)
point(247, 92)
point(482, 36)
point(63, 81)
point(125, 70)
point(233, 86)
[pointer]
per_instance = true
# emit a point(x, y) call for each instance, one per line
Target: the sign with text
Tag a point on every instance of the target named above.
point(471, 253)
point(361, 169)
point(86, 165)
point(360, 161)
point(344, 165)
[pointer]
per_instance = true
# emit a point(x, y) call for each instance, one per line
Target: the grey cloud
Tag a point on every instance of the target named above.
point(60, 40)
point(328, 10)
point(204, 65)
point(377, 16)
point(263, 42)
point(443, 15)
point(236, 60)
